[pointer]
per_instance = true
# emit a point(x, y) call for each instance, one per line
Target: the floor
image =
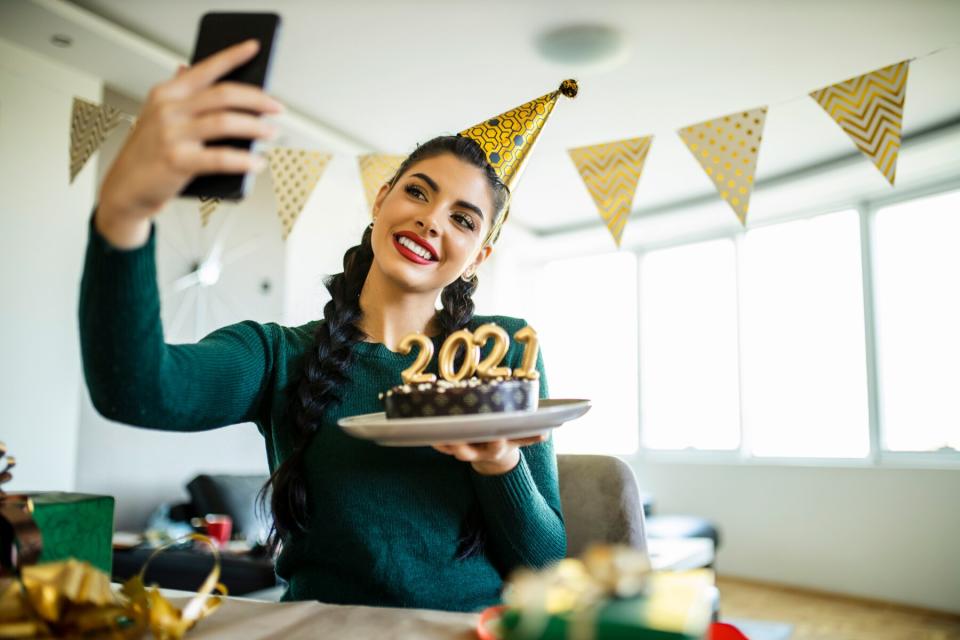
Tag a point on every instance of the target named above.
point(817, 616)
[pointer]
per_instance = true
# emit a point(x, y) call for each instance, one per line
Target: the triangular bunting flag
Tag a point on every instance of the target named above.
point(295, 173)
point(611, 172)
point(869, 108)
point(208, 205)
point(375, 170)
point(727, 148)
point(90, 124)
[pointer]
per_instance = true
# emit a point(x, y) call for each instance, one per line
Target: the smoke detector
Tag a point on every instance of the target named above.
point(584, 47)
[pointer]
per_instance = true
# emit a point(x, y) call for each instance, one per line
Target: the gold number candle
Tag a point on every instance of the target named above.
point(488, 367)
point(414, 373)
point(531, 347)
point(448, 352)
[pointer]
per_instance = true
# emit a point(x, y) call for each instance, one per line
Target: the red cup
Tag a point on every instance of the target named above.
point(219, 527)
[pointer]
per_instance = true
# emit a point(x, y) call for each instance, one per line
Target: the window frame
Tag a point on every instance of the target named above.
point(866, 209)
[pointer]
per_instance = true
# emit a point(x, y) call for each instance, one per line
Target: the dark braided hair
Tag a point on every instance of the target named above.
point(327, 364)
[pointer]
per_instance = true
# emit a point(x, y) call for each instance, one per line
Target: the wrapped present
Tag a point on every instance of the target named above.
point(45, 591)
point(53, 525)
point(75, 525)
point(608, 594)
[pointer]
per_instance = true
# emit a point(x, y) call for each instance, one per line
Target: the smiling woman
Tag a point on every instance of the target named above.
point(430, 527)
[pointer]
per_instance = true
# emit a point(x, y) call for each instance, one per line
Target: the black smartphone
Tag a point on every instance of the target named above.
point(217, 32)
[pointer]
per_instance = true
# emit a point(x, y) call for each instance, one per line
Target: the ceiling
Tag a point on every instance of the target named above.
point(386, 75)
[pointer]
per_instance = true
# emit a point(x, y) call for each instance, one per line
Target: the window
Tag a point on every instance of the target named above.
point(689, 393)
point(917, 300)
point(803, 347)
point(587, 326)
point(756, 346)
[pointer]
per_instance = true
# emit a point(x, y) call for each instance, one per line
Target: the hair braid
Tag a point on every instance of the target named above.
point(325, 371)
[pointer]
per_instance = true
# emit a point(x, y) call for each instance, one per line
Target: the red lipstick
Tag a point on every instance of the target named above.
point(414, 248)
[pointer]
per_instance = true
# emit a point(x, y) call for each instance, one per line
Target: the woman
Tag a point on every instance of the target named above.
point(423, 527)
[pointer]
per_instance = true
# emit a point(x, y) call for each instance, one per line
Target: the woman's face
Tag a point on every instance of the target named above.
point(428, 229)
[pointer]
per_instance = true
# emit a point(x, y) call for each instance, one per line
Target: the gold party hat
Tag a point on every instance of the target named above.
point(508, 138)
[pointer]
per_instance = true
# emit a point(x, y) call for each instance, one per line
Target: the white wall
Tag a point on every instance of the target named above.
point(332, 222)
point(42, 226)
point(892, 534)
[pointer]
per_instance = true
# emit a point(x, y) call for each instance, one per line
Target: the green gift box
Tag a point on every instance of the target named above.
point(676, 607)
point(75, 525)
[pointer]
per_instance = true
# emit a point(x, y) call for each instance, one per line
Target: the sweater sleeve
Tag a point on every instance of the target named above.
point(136, 378)
point(521, 508)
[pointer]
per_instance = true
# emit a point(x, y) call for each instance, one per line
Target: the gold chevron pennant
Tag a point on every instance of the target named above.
point(90, 123)
point(611, 172)
point(295, 173)
point(208, 204)
point(727, 148)
point(869, 108)
point(375, 170)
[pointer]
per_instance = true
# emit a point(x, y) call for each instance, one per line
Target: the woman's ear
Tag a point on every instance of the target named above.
point(384, 190)
point(482, 256)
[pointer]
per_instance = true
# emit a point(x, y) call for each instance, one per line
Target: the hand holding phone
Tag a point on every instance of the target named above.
point(219, 31)
point(167, 148)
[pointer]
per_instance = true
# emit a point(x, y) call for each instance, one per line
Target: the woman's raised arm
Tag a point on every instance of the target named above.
point(135, 377)
point(132, 374)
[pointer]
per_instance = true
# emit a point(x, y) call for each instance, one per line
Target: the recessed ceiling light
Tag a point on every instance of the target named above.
point(60, 40)
point(585, 47)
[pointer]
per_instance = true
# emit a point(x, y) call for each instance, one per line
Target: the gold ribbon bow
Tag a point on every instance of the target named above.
point(73, 598)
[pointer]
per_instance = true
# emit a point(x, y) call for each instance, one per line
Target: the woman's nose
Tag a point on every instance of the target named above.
point(429, 224)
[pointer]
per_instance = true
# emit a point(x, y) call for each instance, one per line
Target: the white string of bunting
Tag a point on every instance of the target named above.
point(868, 108)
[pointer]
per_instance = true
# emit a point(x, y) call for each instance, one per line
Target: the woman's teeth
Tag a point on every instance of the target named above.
point(413, 246)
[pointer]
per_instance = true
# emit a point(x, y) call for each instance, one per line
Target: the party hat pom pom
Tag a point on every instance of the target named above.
point(569, 88)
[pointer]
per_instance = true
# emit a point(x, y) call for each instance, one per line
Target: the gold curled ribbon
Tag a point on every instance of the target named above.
point(73, 598)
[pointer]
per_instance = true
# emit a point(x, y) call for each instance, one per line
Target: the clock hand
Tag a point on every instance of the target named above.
point(216, 251)
point(187, 281)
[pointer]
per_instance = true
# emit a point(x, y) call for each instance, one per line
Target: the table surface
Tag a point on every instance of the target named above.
point(254, 619)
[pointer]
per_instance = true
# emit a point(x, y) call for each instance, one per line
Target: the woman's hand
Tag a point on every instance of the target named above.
point(166, 148)
point(490, 458)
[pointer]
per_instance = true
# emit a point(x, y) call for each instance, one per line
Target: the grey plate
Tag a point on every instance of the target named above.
point(419, 432)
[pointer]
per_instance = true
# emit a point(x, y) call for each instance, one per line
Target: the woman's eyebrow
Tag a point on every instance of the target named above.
point(460, 203)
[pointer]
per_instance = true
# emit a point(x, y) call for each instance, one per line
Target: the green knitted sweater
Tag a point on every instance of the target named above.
point(384, 522)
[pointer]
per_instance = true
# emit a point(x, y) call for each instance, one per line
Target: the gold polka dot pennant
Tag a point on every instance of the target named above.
point(869, 109)
point(90, 124)
point(208, 204)
point(375, 170)
point(611, 172)
point(295, 173)
point(727, 148)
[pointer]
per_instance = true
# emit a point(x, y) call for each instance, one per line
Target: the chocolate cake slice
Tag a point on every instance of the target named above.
point(443, 398)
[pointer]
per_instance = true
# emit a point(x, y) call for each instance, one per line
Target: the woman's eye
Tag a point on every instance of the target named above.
point(464, 221)
point(415, 191)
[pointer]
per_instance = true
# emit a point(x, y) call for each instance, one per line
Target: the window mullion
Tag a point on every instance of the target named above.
point(639, 325)
point(744, 448)
point(866, 214)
